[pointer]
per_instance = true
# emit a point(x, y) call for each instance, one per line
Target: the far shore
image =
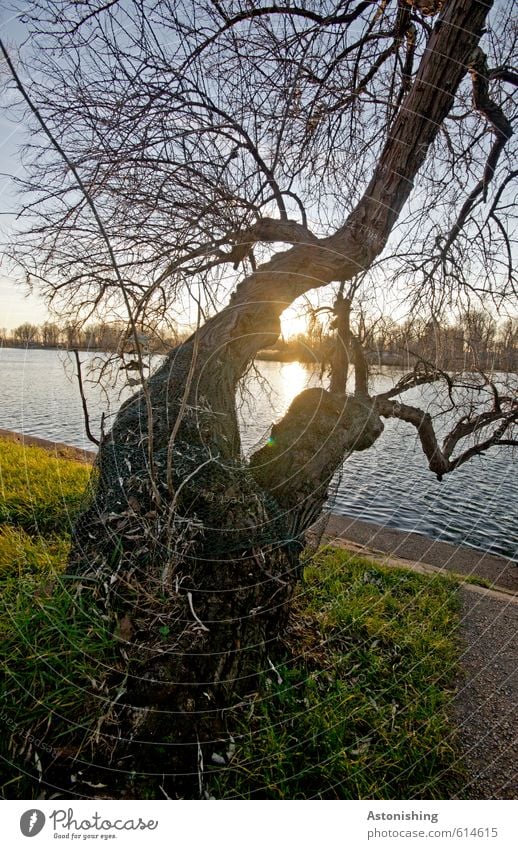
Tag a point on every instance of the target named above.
point(299, 354)
point(287, 355)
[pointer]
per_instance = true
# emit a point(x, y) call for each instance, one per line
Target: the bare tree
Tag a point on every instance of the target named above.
point(374, 140)
point(479, 331)
point(508, 345)
point(50, 334)
point(26, 333)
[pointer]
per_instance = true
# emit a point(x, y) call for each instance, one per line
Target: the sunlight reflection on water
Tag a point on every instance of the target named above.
point(293, 378)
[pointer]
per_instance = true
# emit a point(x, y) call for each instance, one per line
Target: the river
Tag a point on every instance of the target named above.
point(388, 484)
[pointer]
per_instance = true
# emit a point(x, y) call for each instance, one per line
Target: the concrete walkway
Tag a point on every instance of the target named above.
point(416, 548)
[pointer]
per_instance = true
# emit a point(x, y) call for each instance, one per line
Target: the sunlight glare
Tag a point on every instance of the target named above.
point(294, 378)
point(293, 322)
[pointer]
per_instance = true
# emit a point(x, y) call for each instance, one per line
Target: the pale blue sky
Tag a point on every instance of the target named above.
point(16, 306)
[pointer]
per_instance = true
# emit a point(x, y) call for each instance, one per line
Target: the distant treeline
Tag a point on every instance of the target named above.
point(474, 341)
point(101, 336)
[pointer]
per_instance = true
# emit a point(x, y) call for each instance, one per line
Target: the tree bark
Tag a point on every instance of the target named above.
point(341, 358)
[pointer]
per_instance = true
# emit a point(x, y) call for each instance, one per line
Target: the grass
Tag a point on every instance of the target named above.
point(39, 492)
point(55, 650)
point(22, 554)
point(50, 644)
point(362, 711)
point(356, 708)
point(477, 581)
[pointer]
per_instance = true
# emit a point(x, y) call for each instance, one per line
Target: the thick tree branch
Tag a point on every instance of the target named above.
point(505, 75)
point(494, 440)
point(422, 374)
point(468, 426)
point(341, 355)
point(503, 131)
point(305, 448)
point(269, 230)
point(422, 421)
point(439, 457)
point(265, 230)
point(361, 368)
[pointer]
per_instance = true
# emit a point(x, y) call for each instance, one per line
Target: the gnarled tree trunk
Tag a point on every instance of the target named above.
point(215, 557)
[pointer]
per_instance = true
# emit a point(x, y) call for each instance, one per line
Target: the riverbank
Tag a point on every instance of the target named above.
point(56, 449)
point(367, 538)
point(372, 539)
point(388, 485)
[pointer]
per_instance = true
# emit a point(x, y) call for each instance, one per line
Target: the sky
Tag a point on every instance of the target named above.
point(16, 306)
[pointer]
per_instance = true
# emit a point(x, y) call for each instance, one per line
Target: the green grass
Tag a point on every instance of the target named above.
point(55, 652)
point(22, 554)
point(477, 581)
point(363, 712)
point(362, 708)
point(38, 492)
point(40, 495)
point(50, 643)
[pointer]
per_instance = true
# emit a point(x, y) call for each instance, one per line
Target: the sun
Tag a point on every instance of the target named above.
point(293, 323)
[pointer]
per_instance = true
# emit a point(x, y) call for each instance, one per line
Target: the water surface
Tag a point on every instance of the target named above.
point(388, 484)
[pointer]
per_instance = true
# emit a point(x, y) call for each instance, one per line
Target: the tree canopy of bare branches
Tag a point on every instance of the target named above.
point(206, 133)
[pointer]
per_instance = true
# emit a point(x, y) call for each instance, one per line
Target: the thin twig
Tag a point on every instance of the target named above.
point(86, 416)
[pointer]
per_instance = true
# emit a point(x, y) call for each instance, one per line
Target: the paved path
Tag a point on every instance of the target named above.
point(499, 571)
point(486, 702)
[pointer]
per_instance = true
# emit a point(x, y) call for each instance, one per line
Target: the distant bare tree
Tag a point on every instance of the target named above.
point(26, 334)
point(479, 331)
point(50, 334)
point(507, 345)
